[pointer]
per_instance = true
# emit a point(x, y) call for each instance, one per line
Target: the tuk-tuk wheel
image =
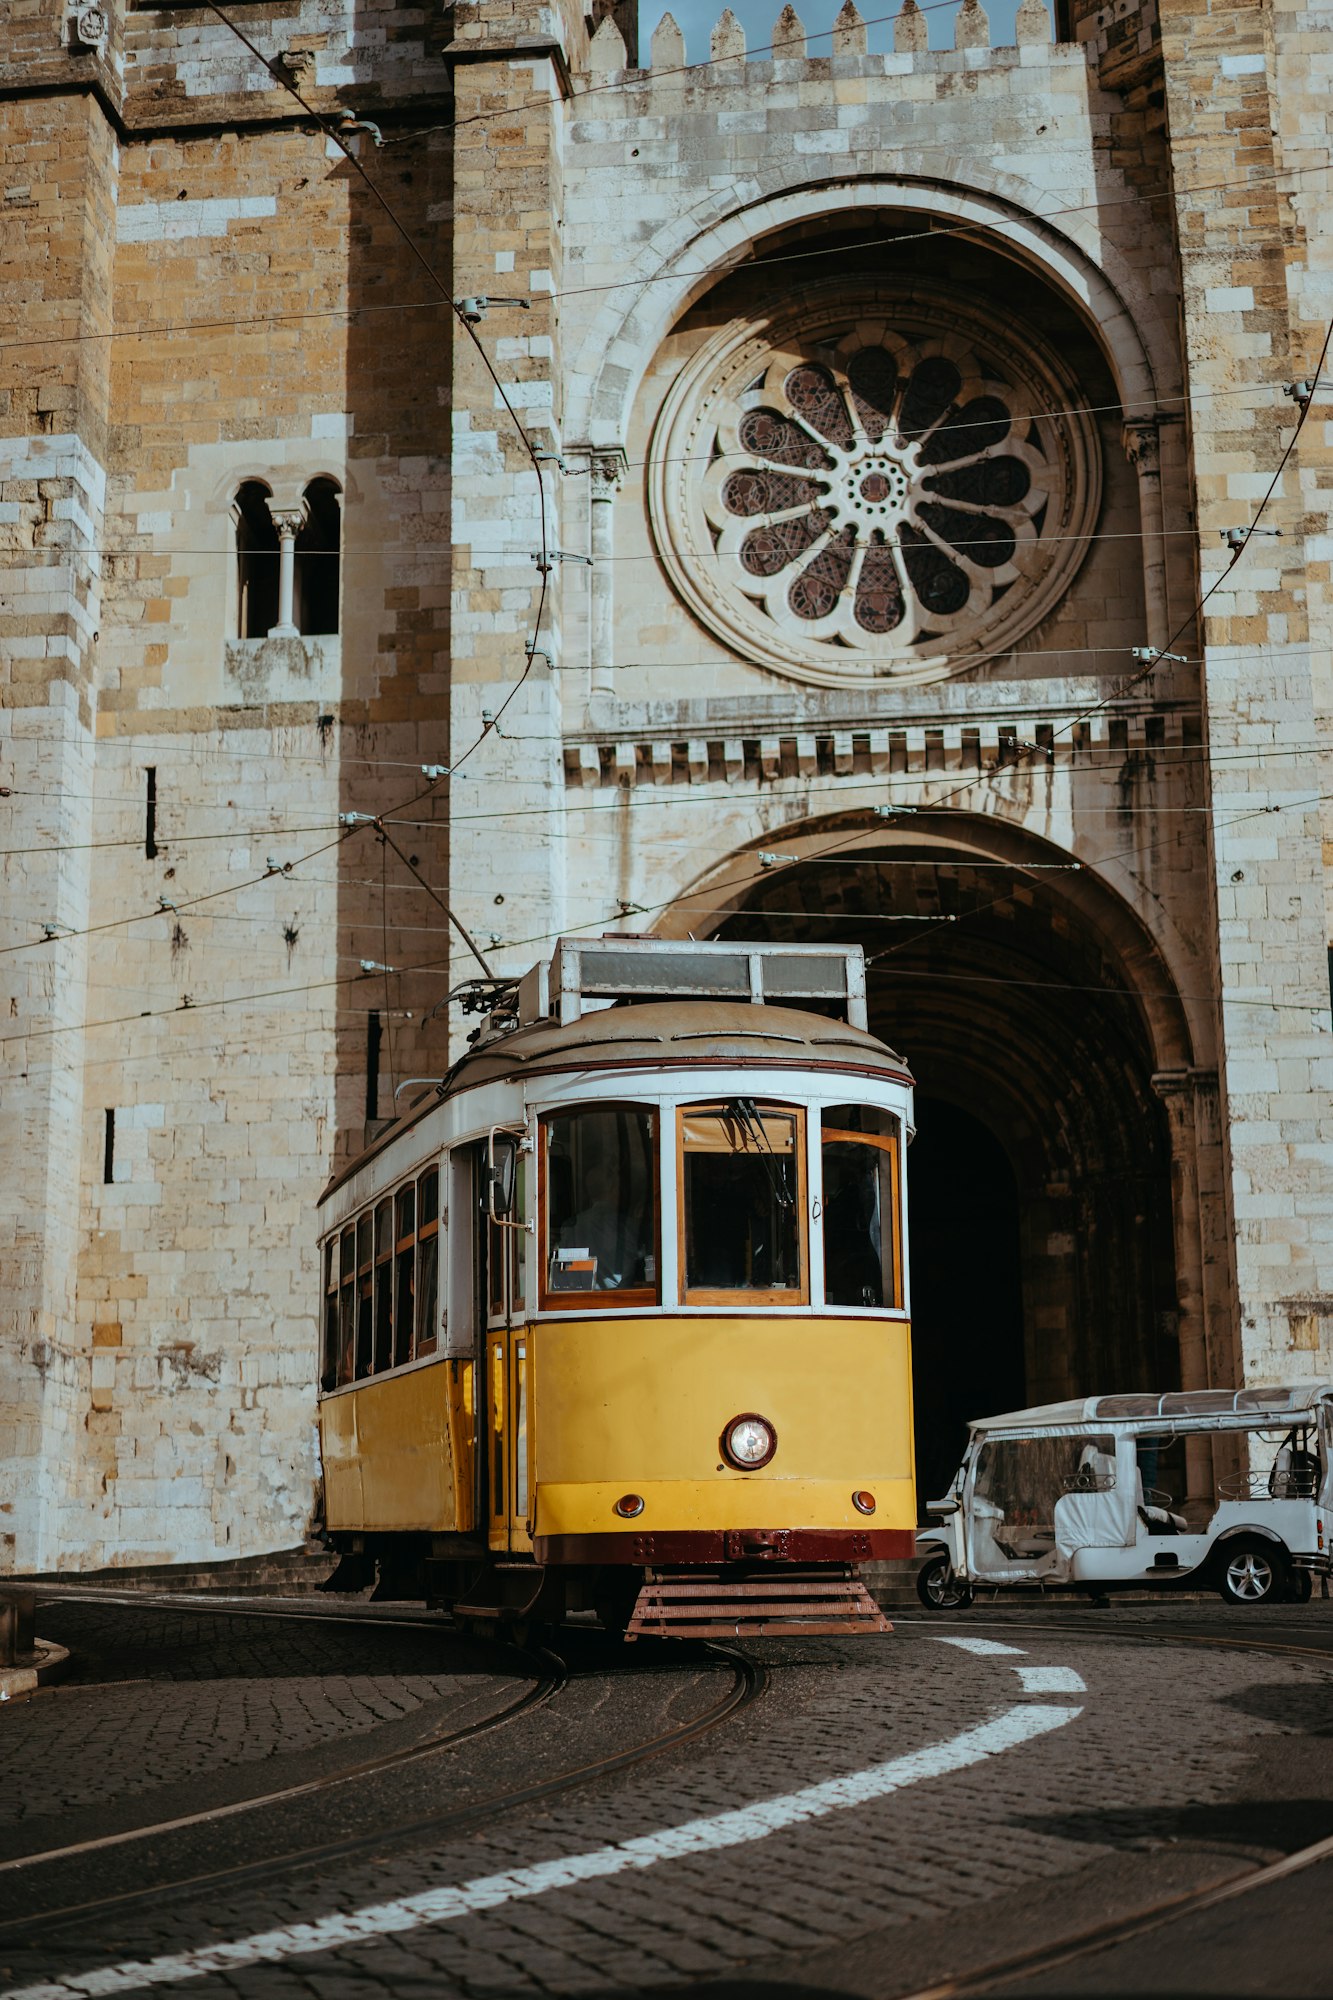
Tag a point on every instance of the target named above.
point(1252, 1573)
point(938, 1588)
point(1300, 1587)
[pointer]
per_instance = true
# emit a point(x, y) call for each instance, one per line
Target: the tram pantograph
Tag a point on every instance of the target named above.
point(616, 1315)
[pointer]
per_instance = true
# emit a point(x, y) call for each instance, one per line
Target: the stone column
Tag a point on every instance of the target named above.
point(606, 472)
point(1142, 442)
point(289, 522)
point(1206, 1360)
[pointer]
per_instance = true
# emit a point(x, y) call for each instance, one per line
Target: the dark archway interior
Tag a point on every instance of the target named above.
point(1041, 1140)
point(967, 1312)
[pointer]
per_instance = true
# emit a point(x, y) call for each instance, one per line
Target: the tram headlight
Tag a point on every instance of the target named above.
point(748, 1442)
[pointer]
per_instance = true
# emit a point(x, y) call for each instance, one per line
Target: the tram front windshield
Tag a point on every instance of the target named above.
point(601, 1225)
point(740, 1174)
point(860, 1159)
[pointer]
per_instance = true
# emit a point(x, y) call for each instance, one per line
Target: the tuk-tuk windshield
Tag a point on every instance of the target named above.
point(1017, 1482)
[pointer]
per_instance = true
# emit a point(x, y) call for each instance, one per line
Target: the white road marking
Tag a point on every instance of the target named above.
point(983, 1647)
point(1051, 1680)
point(697, 1836)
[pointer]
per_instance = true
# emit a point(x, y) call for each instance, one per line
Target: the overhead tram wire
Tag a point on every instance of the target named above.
point(276, 71)
point(288, 84)
point(359, 548)
point(935, 805)
point(900, 239)
point(1159, 653)
point(1195, 614)
point(670, 798)
point(441, 965)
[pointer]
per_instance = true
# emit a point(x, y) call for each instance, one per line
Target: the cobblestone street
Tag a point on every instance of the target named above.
point(1006, 1779)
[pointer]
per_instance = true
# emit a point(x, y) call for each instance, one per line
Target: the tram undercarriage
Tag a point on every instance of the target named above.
point(766, 1595)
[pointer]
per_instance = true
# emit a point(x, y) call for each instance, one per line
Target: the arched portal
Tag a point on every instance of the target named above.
point(1035, 1015)
point(967, 1312)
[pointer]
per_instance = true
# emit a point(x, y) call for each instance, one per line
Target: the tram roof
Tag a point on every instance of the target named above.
point(1277, 1400)
point(673, 1034)
point(668, 1033)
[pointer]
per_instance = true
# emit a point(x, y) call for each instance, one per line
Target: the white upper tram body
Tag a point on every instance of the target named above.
point(661, 1057)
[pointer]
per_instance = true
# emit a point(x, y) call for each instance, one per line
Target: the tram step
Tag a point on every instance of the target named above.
point(709, 1604)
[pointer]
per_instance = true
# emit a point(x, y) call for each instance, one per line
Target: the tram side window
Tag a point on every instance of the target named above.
point(346, 1304)
point(742, 1205)
point(862, 1229)
point(599, 1200)
point(365, 1295)
point(382, 1285)
point(428, 1260)
point(328, 1377)
point(405, 1271)
point(384, 1355)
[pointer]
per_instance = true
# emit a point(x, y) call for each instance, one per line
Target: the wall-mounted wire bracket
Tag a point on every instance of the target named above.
point(1236, 538)
point(1302, 391)
point(1148, 656)
point(474, 306)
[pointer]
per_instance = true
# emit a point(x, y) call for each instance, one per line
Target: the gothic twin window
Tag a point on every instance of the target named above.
point(288, 561)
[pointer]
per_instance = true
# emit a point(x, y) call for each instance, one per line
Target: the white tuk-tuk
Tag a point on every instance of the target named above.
point(1093, 1496)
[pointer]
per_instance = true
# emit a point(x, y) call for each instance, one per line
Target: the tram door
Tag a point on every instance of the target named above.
point(502, 1276)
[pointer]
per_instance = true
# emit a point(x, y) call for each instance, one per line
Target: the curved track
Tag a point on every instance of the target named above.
point(1045, 1958)
point(1053, 1958)
point(552, 1670)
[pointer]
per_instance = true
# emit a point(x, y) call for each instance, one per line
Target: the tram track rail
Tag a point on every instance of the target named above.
point(1123, 1930)
point(1245, 1880)
point(749, 1681)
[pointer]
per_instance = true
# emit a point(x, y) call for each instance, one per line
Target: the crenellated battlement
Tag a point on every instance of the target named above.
point(787, 52)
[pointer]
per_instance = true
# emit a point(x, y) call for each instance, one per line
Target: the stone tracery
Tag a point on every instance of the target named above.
point(851, 490)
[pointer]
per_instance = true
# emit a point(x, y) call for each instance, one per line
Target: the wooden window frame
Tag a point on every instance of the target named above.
point(328, 1372)
point(837, 1134)
point(424, 1234)
point(731, 1298)
point(642, 1297)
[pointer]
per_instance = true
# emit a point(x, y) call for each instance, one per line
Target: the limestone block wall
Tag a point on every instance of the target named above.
point(217, 1026)
point(1256, 308)
point(59, 172)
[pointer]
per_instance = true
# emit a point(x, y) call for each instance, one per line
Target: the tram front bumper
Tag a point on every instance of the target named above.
point(731, 1519)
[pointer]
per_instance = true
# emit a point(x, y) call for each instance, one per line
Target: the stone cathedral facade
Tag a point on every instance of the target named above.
point(887, 412)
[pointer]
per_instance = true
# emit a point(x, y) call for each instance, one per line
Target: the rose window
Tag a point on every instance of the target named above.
point(894, 497)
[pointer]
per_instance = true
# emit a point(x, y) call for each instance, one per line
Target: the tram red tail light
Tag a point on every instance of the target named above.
point(863, 1502)
point(628, 1506)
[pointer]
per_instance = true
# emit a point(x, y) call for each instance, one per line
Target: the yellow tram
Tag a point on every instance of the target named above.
point(616, 1316)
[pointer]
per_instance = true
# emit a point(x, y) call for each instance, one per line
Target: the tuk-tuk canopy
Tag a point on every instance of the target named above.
point(1229, 1408)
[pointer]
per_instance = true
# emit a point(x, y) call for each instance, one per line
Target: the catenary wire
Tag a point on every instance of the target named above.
point(668, 796)
point(787, 791)
point(148, 329)
point(694, 898)
point(288, 84)
point(544, 566)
